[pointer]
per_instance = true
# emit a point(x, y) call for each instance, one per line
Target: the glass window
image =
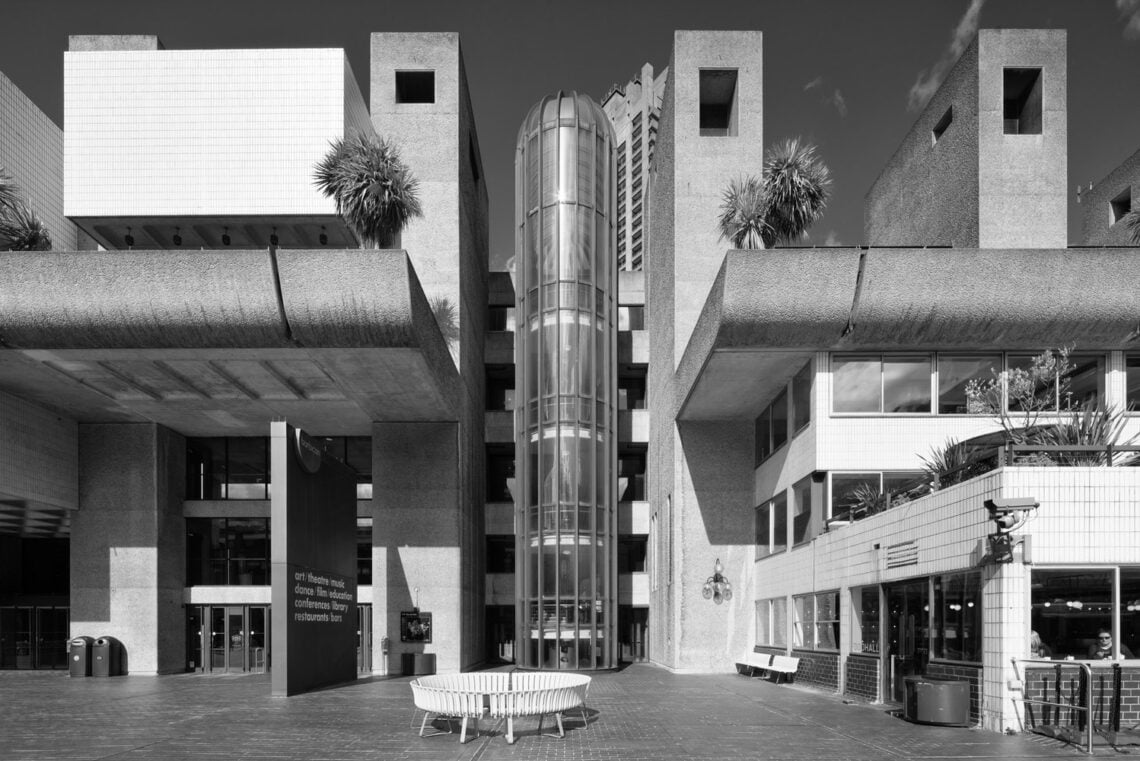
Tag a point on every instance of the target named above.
point(780, 622)
point(631, 554)
point(801, 398)
point(856, 384)
point(364, 551)
point(906, 384)
point(802, 512)
point(1130, 610)
point(1085, 382)
point(953, 375)
point(827, 621)
point(205, 468)
point(771, 622)
point(1132, 382)
point(804, 622)
point(958, 617)
point(631, 318)
point(780, 523)
point(763, 622)
point(1068, 607)
point(764, 530)
point(853, 495)
point(865, 620)
point(1020, 376)
point(763, 435)
point(780, 420)
point(247, 468)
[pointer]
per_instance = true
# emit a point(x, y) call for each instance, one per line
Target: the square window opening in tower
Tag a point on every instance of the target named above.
point(415, 86)
point(718, 103)
point(1021, 101)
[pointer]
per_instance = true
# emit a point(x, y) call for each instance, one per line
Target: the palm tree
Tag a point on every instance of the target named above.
point(20, 228)
point(1132, 222)
point(743, 213)
point(781, 206)
point(375, 192)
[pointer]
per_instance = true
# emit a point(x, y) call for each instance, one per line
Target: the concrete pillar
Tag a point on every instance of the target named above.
point(1005, 621)
point(128, 543)
point(416, 537)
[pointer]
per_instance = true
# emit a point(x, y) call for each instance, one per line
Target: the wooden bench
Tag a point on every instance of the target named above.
point(753, 661)
point(506, 695)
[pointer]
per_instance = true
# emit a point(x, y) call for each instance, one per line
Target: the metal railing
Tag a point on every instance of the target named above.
point(1072, 711)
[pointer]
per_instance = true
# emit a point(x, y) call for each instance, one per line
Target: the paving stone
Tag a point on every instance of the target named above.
point(641, 712)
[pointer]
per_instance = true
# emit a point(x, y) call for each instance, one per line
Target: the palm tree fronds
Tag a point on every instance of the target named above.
point(796, 185)
point(22, 230)
point(9, 191)
point(743, 213)
point(1131, 221)
point(375, 192)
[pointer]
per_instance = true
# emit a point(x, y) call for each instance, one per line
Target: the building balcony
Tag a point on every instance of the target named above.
point(633, 426)
point(499, 427)
point(633, 347)
point(499, 348)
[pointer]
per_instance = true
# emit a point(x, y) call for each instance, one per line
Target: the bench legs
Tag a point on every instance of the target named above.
point(463, 733)
point(423, 725)
point(558, 718)
point(510, 731)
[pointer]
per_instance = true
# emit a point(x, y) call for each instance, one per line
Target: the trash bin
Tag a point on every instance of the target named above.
point(937, 700)
point(79, 656)
point(107, 657)
point(417, 664)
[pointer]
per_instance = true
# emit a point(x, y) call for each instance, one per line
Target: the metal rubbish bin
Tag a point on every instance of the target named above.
point(107, 657)
point(417, 664)
point(79, 655)
point(937, 700)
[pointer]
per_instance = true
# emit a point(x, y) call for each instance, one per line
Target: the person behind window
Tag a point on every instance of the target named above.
point(1037, 648)
point(1102, 650)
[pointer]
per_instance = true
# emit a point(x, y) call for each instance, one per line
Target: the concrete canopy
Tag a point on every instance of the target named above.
point(222, 342)
point(769, 311)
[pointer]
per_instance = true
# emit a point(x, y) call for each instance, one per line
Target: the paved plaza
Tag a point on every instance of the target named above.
point(642, 712)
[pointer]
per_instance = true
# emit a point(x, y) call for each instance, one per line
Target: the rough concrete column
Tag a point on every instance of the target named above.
point(714, 519)
point(416, 539)
point(1005, 621)
point(128, 543)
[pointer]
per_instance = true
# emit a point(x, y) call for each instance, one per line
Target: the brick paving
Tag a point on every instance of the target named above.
point(642, 712)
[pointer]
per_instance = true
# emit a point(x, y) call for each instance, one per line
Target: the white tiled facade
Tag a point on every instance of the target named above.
point(31, 150)
point(1087, 519)
point(170, 133)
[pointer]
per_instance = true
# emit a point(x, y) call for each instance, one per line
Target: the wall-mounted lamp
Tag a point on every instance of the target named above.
point(273, 239)
point(324, 238)
point(1008, 515)
point(226, 236)
point(177, 236)
point(717, 586)
point(130, 239)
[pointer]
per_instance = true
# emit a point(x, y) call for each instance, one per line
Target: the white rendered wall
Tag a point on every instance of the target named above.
point(31, 150)
point(202, 132)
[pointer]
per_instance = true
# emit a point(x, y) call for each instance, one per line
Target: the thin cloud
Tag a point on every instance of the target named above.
point(839, 102)
point(832, 239)
point(1130, 11)
point(928, 81)
point(814, 83)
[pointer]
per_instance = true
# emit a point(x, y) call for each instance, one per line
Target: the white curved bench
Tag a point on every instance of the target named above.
point(506, 694)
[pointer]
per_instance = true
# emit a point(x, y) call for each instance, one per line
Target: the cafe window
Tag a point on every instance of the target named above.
point(958, 618)
point(816, 625)
point(865, 620)
point(1069, 607)
point(772, 622)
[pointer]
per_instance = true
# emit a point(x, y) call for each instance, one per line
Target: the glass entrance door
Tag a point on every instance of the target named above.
point(237, 637)
point(52, 637)
point(364, 639)
point(908, 635)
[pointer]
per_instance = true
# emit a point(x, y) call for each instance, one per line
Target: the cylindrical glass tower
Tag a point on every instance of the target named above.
point(566, 386)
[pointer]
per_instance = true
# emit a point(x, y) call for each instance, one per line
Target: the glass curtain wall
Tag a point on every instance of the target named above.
point(566, 387)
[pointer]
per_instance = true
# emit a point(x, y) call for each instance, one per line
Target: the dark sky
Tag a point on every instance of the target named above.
point(841, 73)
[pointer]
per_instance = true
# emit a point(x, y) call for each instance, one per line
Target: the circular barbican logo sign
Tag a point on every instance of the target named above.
point(308, 451)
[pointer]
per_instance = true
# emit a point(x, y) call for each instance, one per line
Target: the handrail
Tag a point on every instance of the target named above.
point(1086, 670)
